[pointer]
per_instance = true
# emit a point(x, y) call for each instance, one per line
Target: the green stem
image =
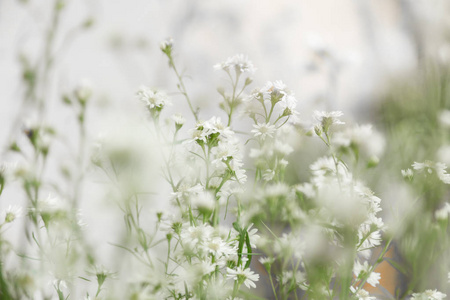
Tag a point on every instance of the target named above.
point(182, 87)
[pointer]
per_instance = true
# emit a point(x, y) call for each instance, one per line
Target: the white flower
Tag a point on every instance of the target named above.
point(325, 166)
point(239, 62)
point(442, 214)
point(84, 90)
point(288, 104)
point(429, 295)
point(243, 275)
point(282, 148)
point(371, 238)
point(266, 261)
point(218, 247)
point(12, 213)
point(7, 170)
point(408, 173)
point(225, 150)
point(430, 166)
point(327, 119)
point(443, 154)
point(362, 294)
point(274, 91)
point(287, 276)
point(196, 234)
point(263, 129)
point(167, 45)
point(268, 174)
point(364, 137)
point(207, 129)
point(444, 118)
point(306, 189)
point(153, 98)
point(361, 270)
point(203, 201)
point(178, 119)
point(253, 237)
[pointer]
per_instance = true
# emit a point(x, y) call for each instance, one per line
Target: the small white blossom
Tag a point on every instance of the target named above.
point(444, 118)
point(84, 90)
point(362, 294)
point(166, 45)
point(371, 238)
point(430, 166)
point(307, 189)
point(274, 91)
point(408, 173)
point(364, 137)
point(263, 130)
point(240, 63)
point(197, 234)
point(361, 270)
point(203, 201)
point(429, 295)
point(153, 98)
point(246, 275)
point(218, 247)
point(178, 119)
point(11, 213)
point(327, 119)
point(266, 261)
point(442, 214)
point(443, 154)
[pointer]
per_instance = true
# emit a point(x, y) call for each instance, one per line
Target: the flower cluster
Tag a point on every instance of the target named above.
point(215, 209)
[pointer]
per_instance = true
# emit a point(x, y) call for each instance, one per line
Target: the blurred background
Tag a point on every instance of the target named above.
point(332, 54)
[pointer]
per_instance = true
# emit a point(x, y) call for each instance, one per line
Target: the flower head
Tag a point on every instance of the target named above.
point(245, 276)
point(430, 167)
point(361, 270)
point(12, 213)
point(166, 46)
point(362, 294)
point(152, 98)
point(408, 173)
point(429, 295)
point(327, 119)
point(263, 130)
point(179, 120)
point(239, 63)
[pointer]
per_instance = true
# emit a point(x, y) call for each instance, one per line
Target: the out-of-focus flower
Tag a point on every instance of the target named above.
point(430, 166)
point(362, 294)
point(442, 214)
point(179, 120)
point(361, 270)
point(152, 98)
point(84, 90)
point(327, 119)
point(363, 137)
point(444, 118)
point(429, 295)
point(11, 213)
point(240, 63)
point(408, 173)
point(166, 46)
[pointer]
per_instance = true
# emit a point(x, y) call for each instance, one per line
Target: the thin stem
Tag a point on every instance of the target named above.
point(182, 87)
